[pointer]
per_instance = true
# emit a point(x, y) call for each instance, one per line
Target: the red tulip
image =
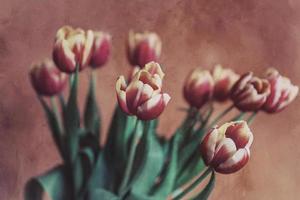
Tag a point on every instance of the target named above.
point(71, 47)
point(101, 49)
point(283, 92)
point(227, 148)
point(46, 79)
point(198, 88)
point(224, 79)
point(249, 93)
point(143, 96)
point(143, 48)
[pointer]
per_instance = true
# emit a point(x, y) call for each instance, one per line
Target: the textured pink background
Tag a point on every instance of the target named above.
point(244, 35)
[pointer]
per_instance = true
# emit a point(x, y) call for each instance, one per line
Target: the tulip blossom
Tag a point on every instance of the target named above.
point(143, 48)
point(198, 88)
point(46, 79)
point(283, 92)
point(249, 93)
point(142, 96)
point(227, 148)
point(71, 47)
point(224, 79)
point(101, 49)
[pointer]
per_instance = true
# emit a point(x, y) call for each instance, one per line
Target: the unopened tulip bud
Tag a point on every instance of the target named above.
point(224, 79)
point(143, 96)
point(249, 93)
point(71, 47)
point(143, 48)
point(227, 148)
point(46, 79)
point(283, 92)
point(198, 88)
point(101, 49)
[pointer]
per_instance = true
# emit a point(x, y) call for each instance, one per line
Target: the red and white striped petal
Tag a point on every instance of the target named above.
point(121, 94)
point(154, 68)
point(133, 94)
point(234, 163)
point(208, 145)
point(63, 57)
point(240, 133)
point(225, 149)
point(87, 53)
point(152, 108)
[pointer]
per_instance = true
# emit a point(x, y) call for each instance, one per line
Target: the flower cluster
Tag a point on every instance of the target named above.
point(247, 92)
point(135, 162)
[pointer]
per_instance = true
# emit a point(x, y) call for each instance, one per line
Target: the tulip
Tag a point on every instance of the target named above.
point(249, 93)
point(283, 92)
point(224, 79)
point(46, 79)
point(198, 88)
point(143, 96)
point(143, 48)
point(101, 49)
point(226, 149)
point(71, 47)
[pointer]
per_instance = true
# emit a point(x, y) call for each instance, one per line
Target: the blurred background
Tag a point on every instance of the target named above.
point(241, 34)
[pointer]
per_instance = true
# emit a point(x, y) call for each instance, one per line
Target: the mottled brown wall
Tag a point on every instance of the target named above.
point(242, 34)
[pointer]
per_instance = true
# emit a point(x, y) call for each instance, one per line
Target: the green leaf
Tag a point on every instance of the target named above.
point(152, 161)
point(71, 114)
point(82, 170)
point(163, 189)
point(188, 150)
point(204, 194)
point(92, 117)
point(100, 176)
point(54, 183)
point(54, 127)
point(192, 169)
point(117, 146)
point(102, 194)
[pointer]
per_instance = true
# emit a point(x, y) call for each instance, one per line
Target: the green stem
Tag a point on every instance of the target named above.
point(238, 117)
point(251, 118)
point(57, 115)
point(220, 116)
point(180, 193)
point(136, 137)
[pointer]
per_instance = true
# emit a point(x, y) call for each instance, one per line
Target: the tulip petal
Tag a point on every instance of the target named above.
point(234, 163)
point(152, 108)
point(121, 94)
point(88, 47)
point(63, 57)
point(225, 149)
point(240, 133)
point(133, 93)
point(208, 145)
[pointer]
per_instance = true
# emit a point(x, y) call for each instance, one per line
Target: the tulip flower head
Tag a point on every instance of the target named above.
point(283, 92)
point(143, 48)
point(143, 96)
point(249, 93)
point(46, 79)
point(71, 47)
point(198, 88)
point(224, 79)
point(227, 148)
point(101, 49)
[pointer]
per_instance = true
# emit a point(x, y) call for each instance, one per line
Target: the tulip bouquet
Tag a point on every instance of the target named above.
point(135, 163)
